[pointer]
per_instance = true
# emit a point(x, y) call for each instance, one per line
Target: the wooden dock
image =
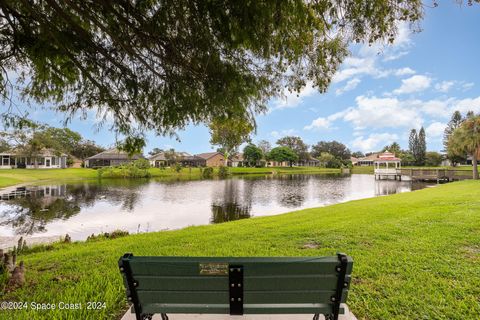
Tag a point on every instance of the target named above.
point(439, 175)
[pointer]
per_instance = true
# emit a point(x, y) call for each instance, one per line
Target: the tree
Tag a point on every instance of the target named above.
point(297, 145)
point(335, 148)
point(357, 154)
point(265, 146)
point(453, 124)
point(60, 139)
point(229, 134)
point(417, 146)
point(433, 159)
point(159, 65)
point(282, 154)
point(172, 157)
point(252, 154)
point(422, 148)
point(85, 149)
point(466, 139)
point(4, 145)
point(155, 151)
point(328, 160)
point(394, 148)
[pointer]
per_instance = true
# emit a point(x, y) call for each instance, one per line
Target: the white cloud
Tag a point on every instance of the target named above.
point(376, 112)
point(465, 105)
point(467, 86)
point(293, 99)
point(435, 130)
point(325, 122)
point(351, 84)
point(436, 108)
point(373, 142)
point(367, 57)
point(279, 134)
point(414, 84)
point(404, 71)
point(444, 86)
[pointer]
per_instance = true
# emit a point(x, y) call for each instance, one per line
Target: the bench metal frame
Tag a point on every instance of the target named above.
point(236, 288)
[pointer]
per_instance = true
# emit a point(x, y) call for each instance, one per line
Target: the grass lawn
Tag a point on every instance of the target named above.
point(16, 176)
point(417, 255)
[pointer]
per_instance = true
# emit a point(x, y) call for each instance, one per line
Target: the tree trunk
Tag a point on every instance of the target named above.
point(475, 165)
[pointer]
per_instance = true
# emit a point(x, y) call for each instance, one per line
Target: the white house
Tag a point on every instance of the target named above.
point(45, 159)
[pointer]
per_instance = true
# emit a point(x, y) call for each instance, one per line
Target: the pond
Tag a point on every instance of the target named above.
point(84, 208)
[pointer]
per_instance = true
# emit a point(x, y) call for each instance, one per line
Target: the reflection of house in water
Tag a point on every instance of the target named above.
point(386, 187)
point(49, 193)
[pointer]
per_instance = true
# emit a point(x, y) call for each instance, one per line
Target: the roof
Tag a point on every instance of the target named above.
point(208, 155)
point(115, 154)
point(387, 156)
point(237, 157)
point(372, 157)
point(161, 155)
point(45, 152)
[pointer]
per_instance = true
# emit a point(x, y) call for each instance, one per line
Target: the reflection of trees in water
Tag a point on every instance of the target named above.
point(232, 206)
point(228, 212)
point(44, 204)
point(31, 214)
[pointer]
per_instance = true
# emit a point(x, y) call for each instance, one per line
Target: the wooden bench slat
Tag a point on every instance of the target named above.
point(260, 297)
point(251, 268)
point(262, 283)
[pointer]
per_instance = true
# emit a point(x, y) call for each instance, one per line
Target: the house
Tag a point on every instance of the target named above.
point(44, 159)
point(368, 160)
point(354, 161)
point(212, 159)
point(111, 157)
point(312, 162)
point(183, 158)
point(236, 160)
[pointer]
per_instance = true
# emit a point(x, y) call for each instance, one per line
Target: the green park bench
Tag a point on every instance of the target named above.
point(236, 286)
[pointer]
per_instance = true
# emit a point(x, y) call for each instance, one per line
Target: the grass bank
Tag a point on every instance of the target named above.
point(17, 176)
point(417, 255)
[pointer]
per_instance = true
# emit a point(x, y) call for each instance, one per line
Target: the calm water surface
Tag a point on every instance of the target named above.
point(81, 209)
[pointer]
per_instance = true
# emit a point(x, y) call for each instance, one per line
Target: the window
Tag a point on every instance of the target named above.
point(5, 160)
point(53, 160)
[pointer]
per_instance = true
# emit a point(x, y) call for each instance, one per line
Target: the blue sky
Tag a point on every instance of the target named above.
point(379, 94)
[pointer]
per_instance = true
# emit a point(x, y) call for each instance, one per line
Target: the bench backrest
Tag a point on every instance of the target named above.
point(314, 285)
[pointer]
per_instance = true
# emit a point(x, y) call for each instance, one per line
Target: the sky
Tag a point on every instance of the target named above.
point(378, 95)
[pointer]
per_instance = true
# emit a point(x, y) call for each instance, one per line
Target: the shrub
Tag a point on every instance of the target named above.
point(223, 172)
point(142, 164)
point(240, 164)
point(177, 167)
point(129, 170)
point(207, 172)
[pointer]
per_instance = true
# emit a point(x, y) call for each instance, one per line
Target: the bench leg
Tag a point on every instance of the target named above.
point(164, 316)
point(316, 316)
point(146, 316)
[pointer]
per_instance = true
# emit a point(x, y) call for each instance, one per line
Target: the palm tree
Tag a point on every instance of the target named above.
point(466, 139)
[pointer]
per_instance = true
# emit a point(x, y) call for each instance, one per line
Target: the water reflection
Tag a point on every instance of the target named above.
point(81, 209)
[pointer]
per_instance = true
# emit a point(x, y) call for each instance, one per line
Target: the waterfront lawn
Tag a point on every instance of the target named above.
point(417, 255)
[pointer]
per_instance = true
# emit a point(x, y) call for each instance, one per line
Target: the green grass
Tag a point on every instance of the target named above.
point(417, 255)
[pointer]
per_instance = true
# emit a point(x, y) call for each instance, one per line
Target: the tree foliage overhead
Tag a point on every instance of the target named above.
point(163, 64)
